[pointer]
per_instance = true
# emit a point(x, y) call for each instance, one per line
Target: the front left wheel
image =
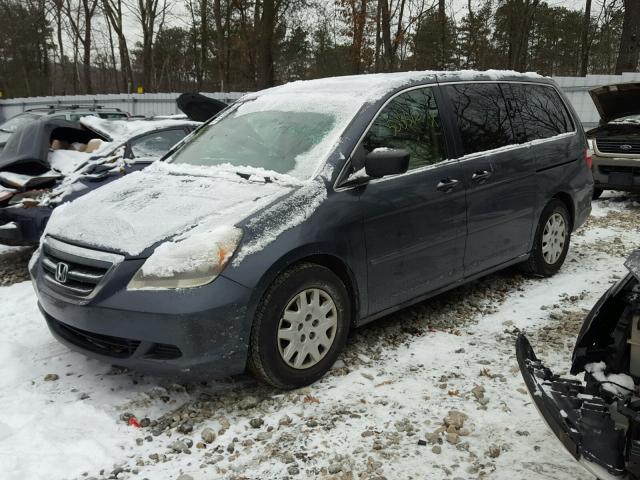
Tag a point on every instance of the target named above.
point(300, 327)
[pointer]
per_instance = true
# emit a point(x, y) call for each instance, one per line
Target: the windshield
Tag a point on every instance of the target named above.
point(287, 135)
point(12, 124)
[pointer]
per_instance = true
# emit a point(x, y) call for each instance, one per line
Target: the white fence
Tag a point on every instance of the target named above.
point(146, 104)
point(576, 89)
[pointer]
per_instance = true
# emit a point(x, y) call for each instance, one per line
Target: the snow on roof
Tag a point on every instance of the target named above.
point(121, 130)
point(371, 87)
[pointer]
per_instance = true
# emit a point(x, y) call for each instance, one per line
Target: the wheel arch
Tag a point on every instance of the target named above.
point(331, 261)
point(565, 198)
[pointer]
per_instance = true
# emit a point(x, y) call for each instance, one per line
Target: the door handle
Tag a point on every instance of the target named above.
point(447, 184)
point(480, 176)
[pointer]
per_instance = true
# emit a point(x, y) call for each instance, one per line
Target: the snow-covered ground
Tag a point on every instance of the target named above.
point(64, 416)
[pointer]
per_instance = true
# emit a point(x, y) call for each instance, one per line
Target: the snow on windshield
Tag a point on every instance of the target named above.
point(290, 129)
point(293, 128)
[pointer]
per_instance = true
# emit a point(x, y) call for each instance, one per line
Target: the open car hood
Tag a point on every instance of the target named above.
point(602, 320)
point(615, 101)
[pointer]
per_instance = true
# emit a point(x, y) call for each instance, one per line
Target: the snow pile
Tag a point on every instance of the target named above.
point(619, 384)
point(252, 172)
point(122, 130)
point(194, 252)
point(68, 161)
point(488, 74)
point(45, 431)
point(151, 205)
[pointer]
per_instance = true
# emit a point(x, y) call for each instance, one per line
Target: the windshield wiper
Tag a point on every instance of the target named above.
point(5, 130)
point(247, 176)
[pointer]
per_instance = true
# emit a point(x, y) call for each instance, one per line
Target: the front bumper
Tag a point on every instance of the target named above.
point(199, 333)
point(577, 417)
point(613, 173)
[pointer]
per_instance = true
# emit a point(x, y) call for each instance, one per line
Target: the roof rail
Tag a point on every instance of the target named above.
point(88, 106)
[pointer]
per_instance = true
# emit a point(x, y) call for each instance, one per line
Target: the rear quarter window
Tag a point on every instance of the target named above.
point(542, 110)
point(481, 114)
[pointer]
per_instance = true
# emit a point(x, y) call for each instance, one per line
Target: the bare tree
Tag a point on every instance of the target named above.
point(586, 25)
point(266, 30)
point(222, 17)
point(629, 52)
point(113, 10)
point(150, 15)
point(81, 26)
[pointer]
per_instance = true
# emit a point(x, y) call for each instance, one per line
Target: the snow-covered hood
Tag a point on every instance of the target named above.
point(616, 101)
point(164, 200)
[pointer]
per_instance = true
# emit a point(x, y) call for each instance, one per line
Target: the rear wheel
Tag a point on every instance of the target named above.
point(551, 242)
point(597, 192)
point(300, 327)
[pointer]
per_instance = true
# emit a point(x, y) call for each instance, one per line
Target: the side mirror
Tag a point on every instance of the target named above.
point(386, 161)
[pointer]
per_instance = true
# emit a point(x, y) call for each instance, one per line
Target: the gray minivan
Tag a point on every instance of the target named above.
point(308, 209)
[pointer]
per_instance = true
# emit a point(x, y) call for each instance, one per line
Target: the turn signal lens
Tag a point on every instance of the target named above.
point(587, 158)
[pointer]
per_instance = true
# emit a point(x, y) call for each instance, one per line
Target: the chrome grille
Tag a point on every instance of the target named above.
point(618, 146)
point(85, 269)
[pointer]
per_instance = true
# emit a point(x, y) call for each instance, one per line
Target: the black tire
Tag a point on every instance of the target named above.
point(597, 192)
point(265, 361)
point(536, 263)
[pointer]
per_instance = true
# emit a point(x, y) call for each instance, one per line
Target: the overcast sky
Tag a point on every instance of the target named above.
point(179, 16)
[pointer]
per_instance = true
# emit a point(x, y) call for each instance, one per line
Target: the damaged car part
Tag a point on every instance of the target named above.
point(597, 419)
point(51, 161)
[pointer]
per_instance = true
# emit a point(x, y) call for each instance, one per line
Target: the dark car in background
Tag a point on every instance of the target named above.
point(67, 112)
point(306, 210)
point(50, 161)
point(597, 419)
point(615, 143)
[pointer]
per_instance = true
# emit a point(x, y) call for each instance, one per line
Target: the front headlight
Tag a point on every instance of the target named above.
point(192, 261)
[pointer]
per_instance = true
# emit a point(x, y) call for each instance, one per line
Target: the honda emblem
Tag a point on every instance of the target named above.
point(62, 269)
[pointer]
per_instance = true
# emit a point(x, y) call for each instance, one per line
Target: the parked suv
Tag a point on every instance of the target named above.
point(308, 209)
point(67, 112)
point(615, 143)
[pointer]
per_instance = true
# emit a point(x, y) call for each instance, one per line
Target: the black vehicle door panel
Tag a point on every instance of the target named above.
point(415, 223)
point(415, 235)
point(498, 173)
